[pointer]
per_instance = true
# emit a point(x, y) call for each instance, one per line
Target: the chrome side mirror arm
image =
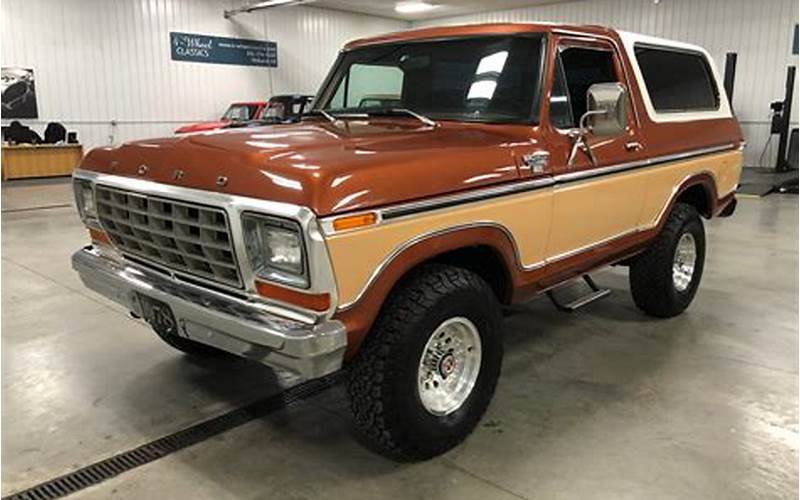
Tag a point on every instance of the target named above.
point(578, 137)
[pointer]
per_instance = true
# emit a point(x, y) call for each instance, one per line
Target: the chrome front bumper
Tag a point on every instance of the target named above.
point(228, 323)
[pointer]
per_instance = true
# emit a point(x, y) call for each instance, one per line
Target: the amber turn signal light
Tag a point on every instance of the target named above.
point(313, 301)
point(98, 236)
point(354, 221)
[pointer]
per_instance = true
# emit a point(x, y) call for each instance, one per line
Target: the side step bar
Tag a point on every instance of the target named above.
point(596, 293)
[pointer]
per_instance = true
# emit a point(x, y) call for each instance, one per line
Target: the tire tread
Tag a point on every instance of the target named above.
point(370, 398)
point(651, 272)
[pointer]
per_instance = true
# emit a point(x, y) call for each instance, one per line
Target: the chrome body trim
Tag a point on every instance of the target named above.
point(604, 241)
point(649, 162)
point(466, 197)
point(320, 269)
point(247, 329)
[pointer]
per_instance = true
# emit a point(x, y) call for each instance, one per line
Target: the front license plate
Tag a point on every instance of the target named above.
point(158, 314)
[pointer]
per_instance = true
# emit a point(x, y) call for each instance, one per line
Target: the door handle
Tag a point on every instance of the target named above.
point(633, 146)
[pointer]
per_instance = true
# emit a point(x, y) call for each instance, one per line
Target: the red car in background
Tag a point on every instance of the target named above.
point(279, 108)
point(237, 112)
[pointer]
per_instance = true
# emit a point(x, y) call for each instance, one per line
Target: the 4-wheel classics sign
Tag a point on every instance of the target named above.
point(223, 50)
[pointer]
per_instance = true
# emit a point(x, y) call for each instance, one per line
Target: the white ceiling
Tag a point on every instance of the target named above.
point(444, 8)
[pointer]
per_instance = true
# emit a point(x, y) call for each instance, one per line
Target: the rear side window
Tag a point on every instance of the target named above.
point(677, 80)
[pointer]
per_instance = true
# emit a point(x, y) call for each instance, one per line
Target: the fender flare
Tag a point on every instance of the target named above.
point(359, 315)
point(705, 180)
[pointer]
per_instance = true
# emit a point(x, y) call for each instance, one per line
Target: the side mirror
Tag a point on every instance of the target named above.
point(607, 106)
point(606, 115)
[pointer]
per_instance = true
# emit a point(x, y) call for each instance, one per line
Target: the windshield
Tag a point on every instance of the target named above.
point(240, 112)
point(492, 79)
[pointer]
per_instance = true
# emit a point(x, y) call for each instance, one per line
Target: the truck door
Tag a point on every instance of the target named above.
point(591, 206)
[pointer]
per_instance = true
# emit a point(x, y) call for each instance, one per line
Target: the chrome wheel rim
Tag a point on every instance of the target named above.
point(449, 366)
point(684, 262)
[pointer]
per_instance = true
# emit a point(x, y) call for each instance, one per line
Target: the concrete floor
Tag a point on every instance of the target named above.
point(605, 403)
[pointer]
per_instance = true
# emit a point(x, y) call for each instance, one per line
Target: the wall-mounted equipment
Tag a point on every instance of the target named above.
point(781, 162)
point(730, 75)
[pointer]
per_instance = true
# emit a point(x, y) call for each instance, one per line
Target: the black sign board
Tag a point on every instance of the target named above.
point(223, 50)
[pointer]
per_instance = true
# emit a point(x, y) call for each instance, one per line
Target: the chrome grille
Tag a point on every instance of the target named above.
point(186, 237)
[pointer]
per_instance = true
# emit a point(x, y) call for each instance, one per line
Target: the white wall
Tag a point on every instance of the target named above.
point(101, 60)
point(760, 31)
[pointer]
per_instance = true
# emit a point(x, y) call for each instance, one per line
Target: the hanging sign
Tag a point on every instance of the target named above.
point(193, 47)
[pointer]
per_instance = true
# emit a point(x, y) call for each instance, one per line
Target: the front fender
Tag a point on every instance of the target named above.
point(359, 315)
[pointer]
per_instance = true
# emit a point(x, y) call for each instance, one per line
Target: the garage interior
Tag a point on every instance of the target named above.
point(602, 403)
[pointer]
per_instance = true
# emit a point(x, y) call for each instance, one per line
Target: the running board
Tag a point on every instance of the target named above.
point(596, 293)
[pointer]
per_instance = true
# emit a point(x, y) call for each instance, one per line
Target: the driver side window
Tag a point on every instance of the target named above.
point(577, 69)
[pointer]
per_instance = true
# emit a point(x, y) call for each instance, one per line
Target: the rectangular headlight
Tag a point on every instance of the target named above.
point(276, 250)
point(84, 199)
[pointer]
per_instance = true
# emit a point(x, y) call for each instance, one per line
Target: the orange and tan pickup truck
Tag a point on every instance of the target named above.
point(386, 238)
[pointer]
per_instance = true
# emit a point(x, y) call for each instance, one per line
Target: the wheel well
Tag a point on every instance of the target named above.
point(484, 261)
point(698, 197)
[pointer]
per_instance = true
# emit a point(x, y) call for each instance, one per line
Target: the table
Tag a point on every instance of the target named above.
point(40, 160)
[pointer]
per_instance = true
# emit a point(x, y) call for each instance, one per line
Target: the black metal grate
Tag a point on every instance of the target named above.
point(187, 237)
point(106, 469)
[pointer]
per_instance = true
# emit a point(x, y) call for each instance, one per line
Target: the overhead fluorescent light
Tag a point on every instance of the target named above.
point(263, 5)
point(413, 7)
point(271, 3)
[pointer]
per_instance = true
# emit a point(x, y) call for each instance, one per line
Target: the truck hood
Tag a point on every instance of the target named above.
point(330, 168)
point(201, 126)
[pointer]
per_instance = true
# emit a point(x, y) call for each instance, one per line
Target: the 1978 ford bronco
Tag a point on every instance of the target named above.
point(512, 158)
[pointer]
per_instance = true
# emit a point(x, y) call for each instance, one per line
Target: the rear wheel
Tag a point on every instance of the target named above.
point(426, 374)
point(664, 279)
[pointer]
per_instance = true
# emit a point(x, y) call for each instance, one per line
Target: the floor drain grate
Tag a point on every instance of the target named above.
point(106, 469)
point(34, 209)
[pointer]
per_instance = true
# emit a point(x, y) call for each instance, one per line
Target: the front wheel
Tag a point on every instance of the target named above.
point(664, 279)
point(426, 374)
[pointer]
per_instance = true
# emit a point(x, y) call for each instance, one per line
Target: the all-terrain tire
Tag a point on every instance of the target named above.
point(383, 379)
point(651, 274)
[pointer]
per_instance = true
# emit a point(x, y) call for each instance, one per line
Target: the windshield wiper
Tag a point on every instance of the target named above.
point(321, 112)
point(327, 115)
point(405, 111)
point(333, 118)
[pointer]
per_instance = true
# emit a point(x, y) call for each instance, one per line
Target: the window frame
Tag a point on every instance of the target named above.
point(718, 97)
point(628, 40)
point(558, 67)
point(563, 43)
